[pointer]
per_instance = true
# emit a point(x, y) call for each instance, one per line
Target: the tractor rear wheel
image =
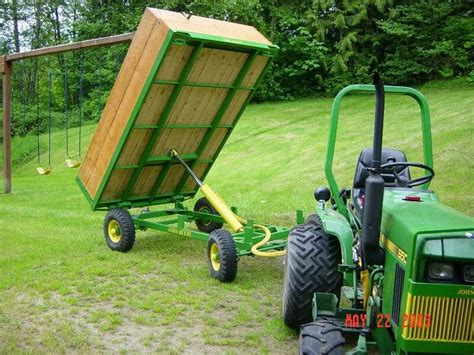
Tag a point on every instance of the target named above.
point(321, 337)
point(312, 258)
point(119, 231)
point(207, 226)
point(222, 255)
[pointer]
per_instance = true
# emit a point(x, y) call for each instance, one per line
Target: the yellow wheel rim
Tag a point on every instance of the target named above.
point(215, 257)
point(114, 231)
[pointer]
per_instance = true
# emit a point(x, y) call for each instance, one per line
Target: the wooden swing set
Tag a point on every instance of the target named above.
point(6, 68)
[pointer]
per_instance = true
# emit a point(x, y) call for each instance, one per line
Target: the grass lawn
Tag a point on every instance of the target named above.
point(62, 289)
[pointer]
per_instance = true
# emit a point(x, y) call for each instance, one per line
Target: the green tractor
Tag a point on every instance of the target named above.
point(383, 262)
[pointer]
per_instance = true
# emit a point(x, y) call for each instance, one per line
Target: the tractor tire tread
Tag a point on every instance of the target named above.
point(322, 337)
point(311, 266)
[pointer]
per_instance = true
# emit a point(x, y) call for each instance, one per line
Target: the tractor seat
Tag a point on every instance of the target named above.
point(361, 174)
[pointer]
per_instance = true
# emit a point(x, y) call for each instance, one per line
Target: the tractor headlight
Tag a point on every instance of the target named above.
point(441, 271)
point(469, 273)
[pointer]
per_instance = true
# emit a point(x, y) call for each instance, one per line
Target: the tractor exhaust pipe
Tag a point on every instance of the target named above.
point(378, 124)
point(374, 186)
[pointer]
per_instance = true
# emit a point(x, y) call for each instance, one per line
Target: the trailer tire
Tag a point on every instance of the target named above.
point(222, 255)
point(203, 205)
point(312, 258)
point(321, 337)
point(119, 231)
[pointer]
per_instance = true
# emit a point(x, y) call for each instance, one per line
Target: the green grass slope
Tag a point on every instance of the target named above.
point(62, 289)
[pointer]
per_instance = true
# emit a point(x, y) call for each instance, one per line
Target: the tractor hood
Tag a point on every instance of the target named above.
point(404, 216)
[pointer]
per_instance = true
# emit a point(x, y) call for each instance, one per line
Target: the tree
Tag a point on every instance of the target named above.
point(16, 33)
point(427, 40)
point(349, 29)
point(324, 44)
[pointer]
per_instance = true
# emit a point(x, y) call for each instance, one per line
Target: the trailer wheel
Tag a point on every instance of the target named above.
point(312, 258)
point(119, 231)
point(207, 226)
point(321, 337)
point(221, 255)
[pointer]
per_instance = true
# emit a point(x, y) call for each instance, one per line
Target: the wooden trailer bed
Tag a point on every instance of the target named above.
point(183, 85)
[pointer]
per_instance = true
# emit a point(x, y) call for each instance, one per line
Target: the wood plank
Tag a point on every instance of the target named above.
point(117, 183)
point(7, 116)
point(235, 106)
point(172, 179)
point(127, 105)
point(184, 140)
point(74, 46)
point(217, 66)
point(116, 95)
point(174, 62)
point(197, 24)
point(2, 64)
point(134, 147)
point(94, 178)
point(154, 104)
point(196, 105)
point(146, 180)
point(118, 90)
point(255, 71)
point(214, 143)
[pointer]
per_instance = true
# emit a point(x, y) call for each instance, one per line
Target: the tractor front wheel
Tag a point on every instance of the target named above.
point(202, 205)
point(312, 258)
point(222, 255)
point(119, 231)
point(321, 337)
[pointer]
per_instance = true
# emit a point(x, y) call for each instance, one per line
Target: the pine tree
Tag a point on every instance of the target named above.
point(349, 28)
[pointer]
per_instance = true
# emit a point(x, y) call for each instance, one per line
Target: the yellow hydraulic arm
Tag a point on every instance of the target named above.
point(235, 222)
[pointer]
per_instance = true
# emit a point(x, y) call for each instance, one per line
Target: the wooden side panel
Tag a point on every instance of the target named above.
point(154, 104)
point(127, 70)
point(197, 24)
point(255, 70)
point(116, 185)
point(127, 105)
point(146, 180)
point(134, 147)
point(235, 107)
point(184, 140)
point(174, 62)
point(217, 66)
point(196, 105)
point(214, 143)
point(172, 179)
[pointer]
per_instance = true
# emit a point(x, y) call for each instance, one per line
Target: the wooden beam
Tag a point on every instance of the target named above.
point(61, 48)
point(7, 161)
point(2, 64)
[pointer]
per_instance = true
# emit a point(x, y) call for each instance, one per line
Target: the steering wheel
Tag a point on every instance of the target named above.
point(402, 181)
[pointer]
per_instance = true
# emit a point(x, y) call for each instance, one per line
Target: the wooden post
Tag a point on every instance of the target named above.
point(6, 69)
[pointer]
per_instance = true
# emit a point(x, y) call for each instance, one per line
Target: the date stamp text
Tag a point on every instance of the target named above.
point(418, 320)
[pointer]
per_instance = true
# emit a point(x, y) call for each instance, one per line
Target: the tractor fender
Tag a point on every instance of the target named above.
point(335, 224)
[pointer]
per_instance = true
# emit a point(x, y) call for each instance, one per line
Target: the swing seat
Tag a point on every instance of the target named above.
point(44, 171)
point(71, 163)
